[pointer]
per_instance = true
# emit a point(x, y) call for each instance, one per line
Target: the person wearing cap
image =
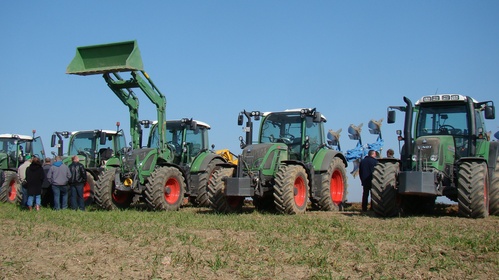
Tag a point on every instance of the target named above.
point(78, 179)
point(59, 176)
point(21, 172)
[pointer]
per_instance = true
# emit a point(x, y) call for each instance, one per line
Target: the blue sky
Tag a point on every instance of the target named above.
point(212, 59)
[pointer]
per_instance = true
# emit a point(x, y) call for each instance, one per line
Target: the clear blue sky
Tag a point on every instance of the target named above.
point(212, 59)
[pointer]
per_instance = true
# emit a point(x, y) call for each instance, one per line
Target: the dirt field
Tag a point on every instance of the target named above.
point(195, 244)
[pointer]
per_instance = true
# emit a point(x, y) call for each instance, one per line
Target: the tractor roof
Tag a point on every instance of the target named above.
point(16, 136)
point(443, 98)
point(297, 110)
point(199, 123)
point(107, 131)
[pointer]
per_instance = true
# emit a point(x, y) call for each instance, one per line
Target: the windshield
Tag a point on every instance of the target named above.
point(442, 120)
point(82, 143)
point(281, 127)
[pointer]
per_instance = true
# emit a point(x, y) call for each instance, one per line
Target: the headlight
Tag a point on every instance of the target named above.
point(414, 158)
point(433, 157)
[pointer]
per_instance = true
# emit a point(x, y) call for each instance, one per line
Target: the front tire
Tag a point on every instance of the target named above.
point(202, 198)
point(89, 190)
point(291, 189)
point(494, 192)
point(107, 196)
point(216, 188)
point(334, 187)
point(472, 190)
point(383, 191)
point(11, 190)
point(165, 189)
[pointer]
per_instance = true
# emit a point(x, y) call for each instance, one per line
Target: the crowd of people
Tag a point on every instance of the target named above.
point(51, 183)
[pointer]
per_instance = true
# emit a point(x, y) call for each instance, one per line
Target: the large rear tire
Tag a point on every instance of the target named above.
point(165, 189)
point(333, 191)
point(11, 190)
point(216, 188)
point(494, 192)
point(202, 198)
point(291, 189)
point(472, 190)
point(107, 196)
point(383, 191)
point(89, 190)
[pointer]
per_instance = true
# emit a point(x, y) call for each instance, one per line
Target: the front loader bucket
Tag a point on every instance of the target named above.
point(106, 58)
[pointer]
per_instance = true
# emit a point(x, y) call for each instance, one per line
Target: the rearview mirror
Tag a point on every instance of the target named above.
point(391, 117)
point(490, 112)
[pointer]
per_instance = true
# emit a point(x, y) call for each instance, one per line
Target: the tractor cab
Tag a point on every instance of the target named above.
point(15, 147)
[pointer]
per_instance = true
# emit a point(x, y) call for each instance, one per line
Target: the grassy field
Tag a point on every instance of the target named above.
point(195, 243)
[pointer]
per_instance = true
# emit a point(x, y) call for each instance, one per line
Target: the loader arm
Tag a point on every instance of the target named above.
point(112, 58)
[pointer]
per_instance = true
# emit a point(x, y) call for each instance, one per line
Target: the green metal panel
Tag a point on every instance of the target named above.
point(105, 58)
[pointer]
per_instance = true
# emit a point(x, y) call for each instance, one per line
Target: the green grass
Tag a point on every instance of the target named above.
point(196, 243)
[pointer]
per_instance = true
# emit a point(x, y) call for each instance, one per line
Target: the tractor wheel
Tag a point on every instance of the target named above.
point(334, 187)
point(107, 196)
point(89, 190)
point(165, 189)
point(472, 190)
point(202, 198)
point(11, 190)
point(216, 189)
point(384, 192)
point(291, 189)
point(417, 205)
point(494, 192)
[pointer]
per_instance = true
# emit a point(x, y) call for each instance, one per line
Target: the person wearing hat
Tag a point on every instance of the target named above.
point(21, 172)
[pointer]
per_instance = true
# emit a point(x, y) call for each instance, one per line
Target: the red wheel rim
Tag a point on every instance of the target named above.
point(300, 192)
point(87, 191)
point(13, 190)
point(172, 191)
point(336, 188)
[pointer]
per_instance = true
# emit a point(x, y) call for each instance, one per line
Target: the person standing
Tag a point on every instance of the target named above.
point(34, 181)
point(77, 181)
point(21, 172)
point(59, 176)
point(47, 196)
point(366, 169)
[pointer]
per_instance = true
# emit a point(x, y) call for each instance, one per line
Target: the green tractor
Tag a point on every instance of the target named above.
point(13, 151)
point(289, 165)
point(94, 148)
point(188, 140)
point(155, 174)
point(449, 155)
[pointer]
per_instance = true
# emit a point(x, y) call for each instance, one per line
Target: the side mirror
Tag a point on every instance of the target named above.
point(391, 117)
point(490, 113)
point(240, 119)
point(194, 125)
point(52, 141)
point(317, 117)
point(102, 138)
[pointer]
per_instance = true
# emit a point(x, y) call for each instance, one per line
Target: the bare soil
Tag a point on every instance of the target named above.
point(45, 250)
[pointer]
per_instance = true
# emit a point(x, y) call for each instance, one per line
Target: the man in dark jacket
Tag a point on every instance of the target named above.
point(47, 196)
point(59, 176)
point(366, 169)
point(77, 181)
